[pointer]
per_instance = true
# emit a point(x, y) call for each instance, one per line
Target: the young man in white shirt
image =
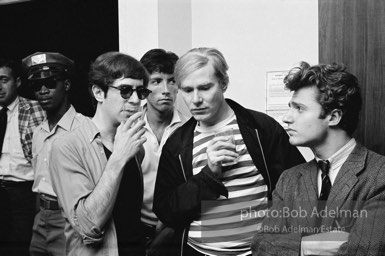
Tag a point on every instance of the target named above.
point(162, 119)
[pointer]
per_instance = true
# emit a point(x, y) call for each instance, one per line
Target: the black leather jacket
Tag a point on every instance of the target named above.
point(179, 193)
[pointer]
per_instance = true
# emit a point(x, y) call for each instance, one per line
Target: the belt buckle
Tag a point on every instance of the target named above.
point(48, 204)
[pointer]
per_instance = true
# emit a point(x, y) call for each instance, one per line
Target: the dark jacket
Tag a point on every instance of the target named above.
point(179, 193)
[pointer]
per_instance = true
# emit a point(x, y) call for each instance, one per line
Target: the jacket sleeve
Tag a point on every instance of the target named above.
point(177, 201)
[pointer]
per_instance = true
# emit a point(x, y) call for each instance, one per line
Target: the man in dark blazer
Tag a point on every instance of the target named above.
point(334, 204)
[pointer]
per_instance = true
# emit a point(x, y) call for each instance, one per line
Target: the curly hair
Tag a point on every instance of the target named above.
point(338, 89)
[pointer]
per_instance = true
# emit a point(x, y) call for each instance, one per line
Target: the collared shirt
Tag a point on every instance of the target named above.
point(13, 164)
point(336, 162)
point(153, 150)
point(41, 148)
point(77, 162)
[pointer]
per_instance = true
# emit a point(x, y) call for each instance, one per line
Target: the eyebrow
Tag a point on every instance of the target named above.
point(206, 84)
point(296, 104)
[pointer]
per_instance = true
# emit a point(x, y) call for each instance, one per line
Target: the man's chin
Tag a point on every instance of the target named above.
point(295, 142)
point(200, 117)
point(165, 108)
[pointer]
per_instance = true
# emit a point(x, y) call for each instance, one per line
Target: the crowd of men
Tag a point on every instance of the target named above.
point(142, 178)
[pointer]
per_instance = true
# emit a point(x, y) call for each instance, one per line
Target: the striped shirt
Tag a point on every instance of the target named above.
point(227, 225)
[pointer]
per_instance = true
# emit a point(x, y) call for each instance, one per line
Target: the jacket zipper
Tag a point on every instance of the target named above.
point(181, 164)
point(264, 160)
point(184, 230)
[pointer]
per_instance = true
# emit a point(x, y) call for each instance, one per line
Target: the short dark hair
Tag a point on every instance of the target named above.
point(338, 89)
point(13, 65)
point(160, 61)
point(113, 65)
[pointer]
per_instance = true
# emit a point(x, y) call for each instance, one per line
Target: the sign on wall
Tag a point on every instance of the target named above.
point(277, 96)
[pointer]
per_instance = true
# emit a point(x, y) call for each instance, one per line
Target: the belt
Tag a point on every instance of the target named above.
point(149, 230)
point(48, 204)
point(15, 184)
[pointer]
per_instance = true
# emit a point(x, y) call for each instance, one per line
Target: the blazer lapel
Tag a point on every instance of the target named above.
point(309, 195)
point(345, 180)
point(24, 117)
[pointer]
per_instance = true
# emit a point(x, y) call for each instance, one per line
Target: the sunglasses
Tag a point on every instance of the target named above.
point(126, 91)
point(48, 83)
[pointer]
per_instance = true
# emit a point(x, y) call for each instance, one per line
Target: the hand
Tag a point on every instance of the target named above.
point(220, 149)
point(129, 138)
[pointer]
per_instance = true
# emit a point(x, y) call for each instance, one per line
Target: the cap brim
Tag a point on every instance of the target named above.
point(43, 75)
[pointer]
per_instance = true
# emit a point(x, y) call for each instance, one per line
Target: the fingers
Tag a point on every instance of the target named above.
point(136, 134)
point(221, 138)
point(138, 125)
point(218, 144)
point(132, 120)
point(222, 155)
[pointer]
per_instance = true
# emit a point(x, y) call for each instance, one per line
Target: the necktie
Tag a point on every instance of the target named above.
point(324, 165)
point(3, 126)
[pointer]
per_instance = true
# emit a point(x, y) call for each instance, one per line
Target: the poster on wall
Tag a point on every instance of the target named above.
point(277, 96)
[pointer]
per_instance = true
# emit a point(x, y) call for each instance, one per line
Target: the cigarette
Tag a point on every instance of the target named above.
point(144, 110)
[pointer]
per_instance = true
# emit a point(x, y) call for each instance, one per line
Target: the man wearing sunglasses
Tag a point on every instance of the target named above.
point(49, 76)
point(19, 117)
point(96, 168)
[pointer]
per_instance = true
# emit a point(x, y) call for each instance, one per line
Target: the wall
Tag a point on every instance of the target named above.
point(255, 36)
point(353, 32)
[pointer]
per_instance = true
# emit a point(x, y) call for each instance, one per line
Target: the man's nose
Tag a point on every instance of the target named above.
point(134, 97)
point(165, 88)
point(43, 89)
point(196, 97)
point(288, 118)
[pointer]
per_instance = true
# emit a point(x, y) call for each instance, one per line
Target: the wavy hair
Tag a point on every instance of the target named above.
point(338, 89)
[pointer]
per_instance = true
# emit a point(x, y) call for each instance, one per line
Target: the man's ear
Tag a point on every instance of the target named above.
point(224, 87)
point(18, 82)
point(335, 117)
point(67, 85)
point(98, 93)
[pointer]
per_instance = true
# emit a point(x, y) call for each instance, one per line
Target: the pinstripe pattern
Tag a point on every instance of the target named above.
point(30, 116)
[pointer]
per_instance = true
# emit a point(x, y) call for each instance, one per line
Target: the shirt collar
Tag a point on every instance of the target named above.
point(65, 121)
point(342, 153)
point(176, 118)
point(11, 107)
point(92, 131)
